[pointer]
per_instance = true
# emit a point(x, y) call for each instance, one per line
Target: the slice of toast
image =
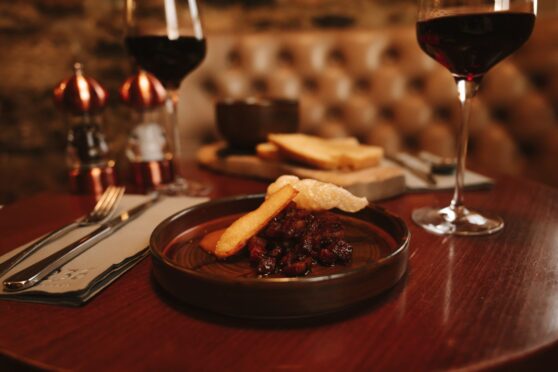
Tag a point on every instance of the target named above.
point(236, 235)
point(326, 154)
point(270, 151)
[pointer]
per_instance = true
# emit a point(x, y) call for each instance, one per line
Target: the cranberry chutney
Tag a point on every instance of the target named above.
point(296, 239)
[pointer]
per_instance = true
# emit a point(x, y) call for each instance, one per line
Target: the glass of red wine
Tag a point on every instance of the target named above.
point(165, 37)
point(469, 37)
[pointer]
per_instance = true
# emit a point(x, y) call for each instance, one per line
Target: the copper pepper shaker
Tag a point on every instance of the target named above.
point(83, 99)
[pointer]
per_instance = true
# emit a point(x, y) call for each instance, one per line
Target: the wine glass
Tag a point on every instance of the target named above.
point(165, 37)
point(468, 37)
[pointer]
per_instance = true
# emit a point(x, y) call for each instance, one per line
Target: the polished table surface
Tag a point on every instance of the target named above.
point(473, 303)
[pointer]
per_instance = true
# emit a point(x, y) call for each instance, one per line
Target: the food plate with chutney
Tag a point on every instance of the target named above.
point(182, 268)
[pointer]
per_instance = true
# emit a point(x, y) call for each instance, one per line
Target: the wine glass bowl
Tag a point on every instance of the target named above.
point(468, 45)
point(469, 37)
point(165, 37)
point(170, 60)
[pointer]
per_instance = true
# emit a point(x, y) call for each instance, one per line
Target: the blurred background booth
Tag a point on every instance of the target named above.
point(356, 69)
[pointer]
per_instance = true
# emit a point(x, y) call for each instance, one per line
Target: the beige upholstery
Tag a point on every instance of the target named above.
point(379, 86)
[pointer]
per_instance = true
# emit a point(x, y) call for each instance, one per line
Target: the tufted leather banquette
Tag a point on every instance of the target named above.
point(379, 86)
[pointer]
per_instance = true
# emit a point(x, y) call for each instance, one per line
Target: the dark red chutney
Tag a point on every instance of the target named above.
point(296, 239)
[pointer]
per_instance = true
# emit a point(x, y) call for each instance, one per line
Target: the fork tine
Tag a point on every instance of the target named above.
point(106, 203)
point(114, 201)
point(103, 199)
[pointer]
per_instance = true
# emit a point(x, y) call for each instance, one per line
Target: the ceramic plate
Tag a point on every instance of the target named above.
point(380, 243)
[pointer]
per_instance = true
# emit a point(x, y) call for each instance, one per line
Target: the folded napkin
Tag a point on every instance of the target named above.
point(86, 275)
point(443, 182)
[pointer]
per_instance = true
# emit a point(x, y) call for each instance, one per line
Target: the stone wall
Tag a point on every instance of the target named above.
point(41, 40)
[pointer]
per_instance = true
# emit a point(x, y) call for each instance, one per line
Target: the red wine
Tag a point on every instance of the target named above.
point(147, 175)
point(169, 60)
point(470, 44)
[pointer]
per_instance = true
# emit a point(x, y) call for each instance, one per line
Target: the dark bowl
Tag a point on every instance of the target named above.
point(245, 123)
point(231, 287)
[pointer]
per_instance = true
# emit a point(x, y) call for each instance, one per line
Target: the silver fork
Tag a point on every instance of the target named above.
point(104, 208)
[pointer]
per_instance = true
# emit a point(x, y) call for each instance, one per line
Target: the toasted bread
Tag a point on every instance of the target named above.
point(326, 154)
point(236, 235)
point(343, 141)
point(268, 151)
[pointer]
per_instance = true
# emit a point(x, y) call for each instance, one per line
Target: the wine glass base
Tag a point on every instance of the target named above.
point(456, 221)
point(184, 187)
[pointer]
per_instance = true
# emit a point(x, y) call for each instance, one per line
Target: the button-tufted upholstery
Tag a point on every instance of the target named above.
point(379, 86)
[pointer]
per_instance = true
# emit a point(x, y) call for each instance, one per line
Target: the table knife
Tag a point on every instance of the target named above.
point(33, 274)
point(438, 164)
point(428, 177)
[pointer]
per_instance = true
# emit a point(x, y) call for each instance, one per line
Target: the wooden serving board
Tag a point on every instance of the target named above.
point(374, 183)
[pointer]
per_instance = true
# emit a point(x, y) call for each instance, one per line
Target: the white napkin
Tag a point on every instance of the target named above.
point(83, 277)
point(443, 182)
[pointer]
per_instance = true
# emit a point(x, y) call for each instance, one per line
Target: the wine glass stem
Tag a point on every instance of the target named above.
point(171, 105)
point(467, 89)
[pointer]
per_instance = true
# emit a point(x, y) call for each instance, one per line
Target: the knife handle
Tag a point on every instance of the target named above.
point(30, 276)
point(427, 177)
point(34, 247)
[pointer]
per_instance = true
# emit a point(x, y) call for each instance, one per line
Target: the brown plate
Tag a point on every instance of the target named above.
point(380, 252)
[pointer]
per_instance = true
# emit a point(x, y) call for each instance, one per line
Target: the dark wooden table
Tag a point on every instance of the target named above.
point(473, 303)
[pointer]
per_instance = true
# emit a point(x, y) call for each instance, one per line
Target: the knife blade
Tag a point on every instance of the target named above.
point(33, 274)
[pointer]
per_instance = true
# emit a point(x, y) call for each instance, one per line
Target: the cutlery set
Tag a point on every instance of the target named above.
point(101, 213)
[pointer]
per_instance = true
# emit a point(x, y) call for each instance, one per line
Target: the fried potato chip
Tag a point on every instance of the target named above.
point(316, 195)
point(236, 235)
